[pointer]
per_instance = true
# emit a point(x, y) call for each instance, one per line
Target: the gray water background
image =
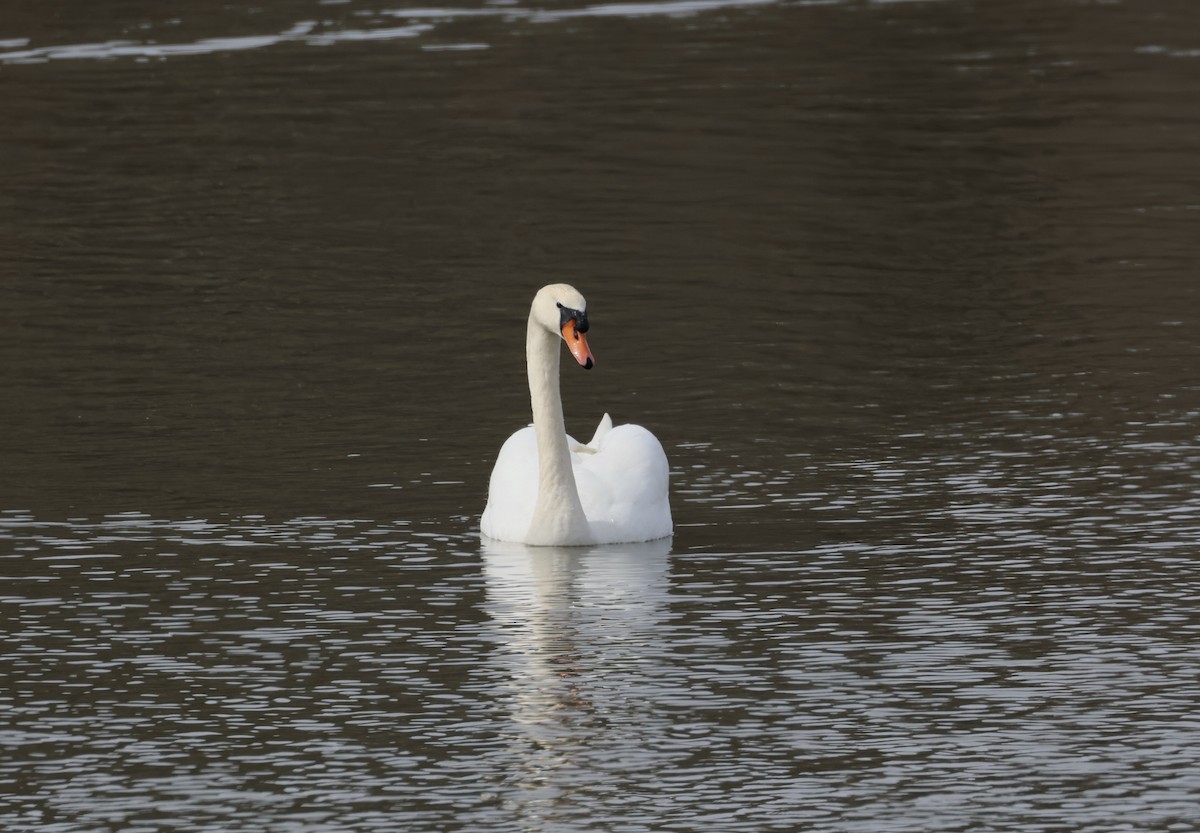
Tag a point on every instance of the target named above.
point(908, 291)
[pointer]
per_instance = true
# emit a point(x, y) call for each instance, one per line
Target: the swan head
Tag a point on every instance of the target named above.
point(563, 311)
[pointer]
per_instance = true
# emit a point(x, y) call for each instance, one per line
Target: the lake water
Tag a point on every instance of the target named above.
point(908, 290)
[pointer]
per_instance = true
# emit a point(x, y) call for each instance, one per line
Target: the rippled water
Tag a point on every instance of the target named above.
point(907, 290)
point(990, 664)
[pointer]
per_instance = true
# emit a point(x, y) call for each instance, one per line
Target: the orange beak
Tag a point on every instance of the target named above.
point(578, 345)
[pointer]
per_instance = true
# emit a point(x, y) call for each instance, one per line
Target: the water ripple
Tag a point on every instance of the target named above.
point(374, 27)
point(386, 674)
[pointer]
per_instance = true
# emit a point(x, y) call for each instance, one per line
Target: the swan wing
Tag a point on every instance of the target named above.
point(623, 485)
point(603, 428)
point(512, 490)
point(513, 487)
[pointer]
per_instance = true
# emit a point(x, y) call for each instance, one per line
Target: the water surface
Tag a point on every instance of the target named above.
point(907, 290)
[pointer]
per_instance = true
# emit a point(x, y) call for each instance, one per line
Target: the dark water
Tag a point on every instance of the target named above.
point(908, 291)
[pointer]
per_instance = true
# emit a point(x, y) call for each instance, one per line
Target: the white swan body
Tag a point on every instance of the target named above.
point(549, 490)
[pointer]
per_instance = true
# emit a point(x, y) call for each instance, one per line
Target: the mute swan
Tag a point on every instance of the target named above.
point(549, 490)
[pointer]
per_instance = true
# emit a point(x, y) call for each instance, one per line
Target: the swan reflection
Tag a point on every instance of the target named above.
point(579, 633)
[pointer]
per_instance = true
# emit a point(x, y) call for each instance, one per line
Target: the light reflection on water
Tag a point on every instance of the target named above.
point(327, 32)
point(1015, 663)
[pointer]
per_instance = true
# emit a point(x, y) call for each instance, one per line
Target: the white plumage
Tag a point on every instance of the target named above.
point(621, 476)
point(547, 488)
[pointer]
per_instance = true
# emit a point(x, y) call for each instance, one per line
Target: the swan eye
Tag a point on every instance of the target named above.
point(566, 314)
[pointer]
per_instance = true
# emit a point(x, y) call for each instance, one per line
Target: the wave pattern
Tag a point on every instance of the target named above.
point(351, 25)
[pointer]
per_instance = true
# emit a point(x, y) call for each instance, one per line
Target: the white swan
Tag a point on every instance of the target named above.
point(546, 488)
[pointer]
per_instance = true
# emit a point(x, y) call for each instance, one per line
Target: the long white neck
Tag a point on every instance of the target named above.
point(558, 517)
